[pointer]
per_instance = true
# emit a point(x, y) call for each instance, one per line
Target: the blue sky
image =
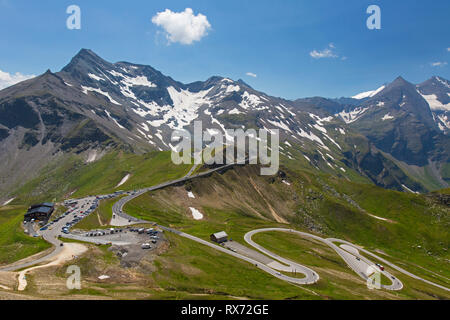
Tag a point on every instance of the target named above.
point(271, 39)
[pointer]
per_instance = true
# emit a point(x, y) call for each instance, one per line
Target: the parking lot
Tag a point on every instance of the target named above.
point(146, 238)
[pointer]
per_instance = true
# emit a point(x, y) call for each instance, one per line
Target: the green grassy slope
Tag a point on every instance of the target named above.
point(415, 236)
point(336, 278)
point(100, 218)
point(71, 177)
point(14, 243)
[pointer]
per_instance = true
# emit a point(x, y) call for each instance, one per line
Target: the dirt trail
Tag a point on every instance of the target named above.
point(100, 220)
point(70, 250)
point(274, 214)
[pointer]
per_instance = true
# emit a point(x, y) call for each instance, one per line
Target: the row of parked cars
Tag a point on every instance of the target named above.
point(84, 212)
point(103, 232)
point(55, 220)
point(150, 231)
point(153, 235)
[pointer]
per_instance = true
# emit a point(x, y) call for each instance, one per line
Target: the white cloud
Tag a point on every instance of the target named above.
point(448, 49)
point(7, 79)
point(251, 74)
point(325, 53)
point(438, 64)
point(183, 27)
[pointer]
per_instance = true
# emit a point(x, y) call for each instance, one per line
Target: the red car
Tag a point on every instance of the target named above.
point(380, 266)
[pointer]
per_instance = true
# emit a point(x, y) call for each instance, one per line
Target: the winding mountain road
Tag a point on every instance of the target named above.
point(361, 269)
point(393, 266)
point(349, 252)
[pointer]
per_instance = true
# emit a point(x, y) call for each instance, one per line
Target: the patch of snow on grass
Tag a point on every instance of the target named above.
point(408, 189)
point(8, 201)
point(124, 179)
point(191, 195)
point(92, 156)
point(196, 214)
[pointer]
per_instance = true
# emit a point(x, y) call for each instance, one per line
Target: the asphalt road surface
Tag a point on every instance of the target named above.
point(360, 267)
point(384, 261)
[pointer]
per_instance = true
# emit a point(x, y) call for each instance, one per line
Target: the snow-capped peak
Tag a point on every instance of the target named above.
point(368, 94)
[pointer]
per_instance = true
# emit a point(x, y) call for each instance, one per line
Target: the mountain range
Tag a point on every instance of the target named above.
point(396, 136)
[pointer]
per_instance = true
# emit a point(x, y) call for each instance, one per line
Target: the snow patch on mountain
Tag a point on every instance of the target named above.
point(138, 81)
point(124, 179)
point(185, 106)
point(280, 124)
point(250, 101)
point(191, 195)
point(8, 202)
point(235, 111)
point(353, 115)
point(197, 215)
point(434, 103)
point(95, 77)
point(444, 82)
point(443, 119)
point(322, 129)
point(320, 120)
point(334, 142)
point(232, 88)
point(368, 94)
point(106, 94)
point(113, 119)
point(311, 136)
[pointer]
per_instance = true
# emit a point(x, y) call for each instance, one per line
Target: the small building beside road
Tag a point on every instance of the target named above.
point(41, 212)
point(219, 237)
